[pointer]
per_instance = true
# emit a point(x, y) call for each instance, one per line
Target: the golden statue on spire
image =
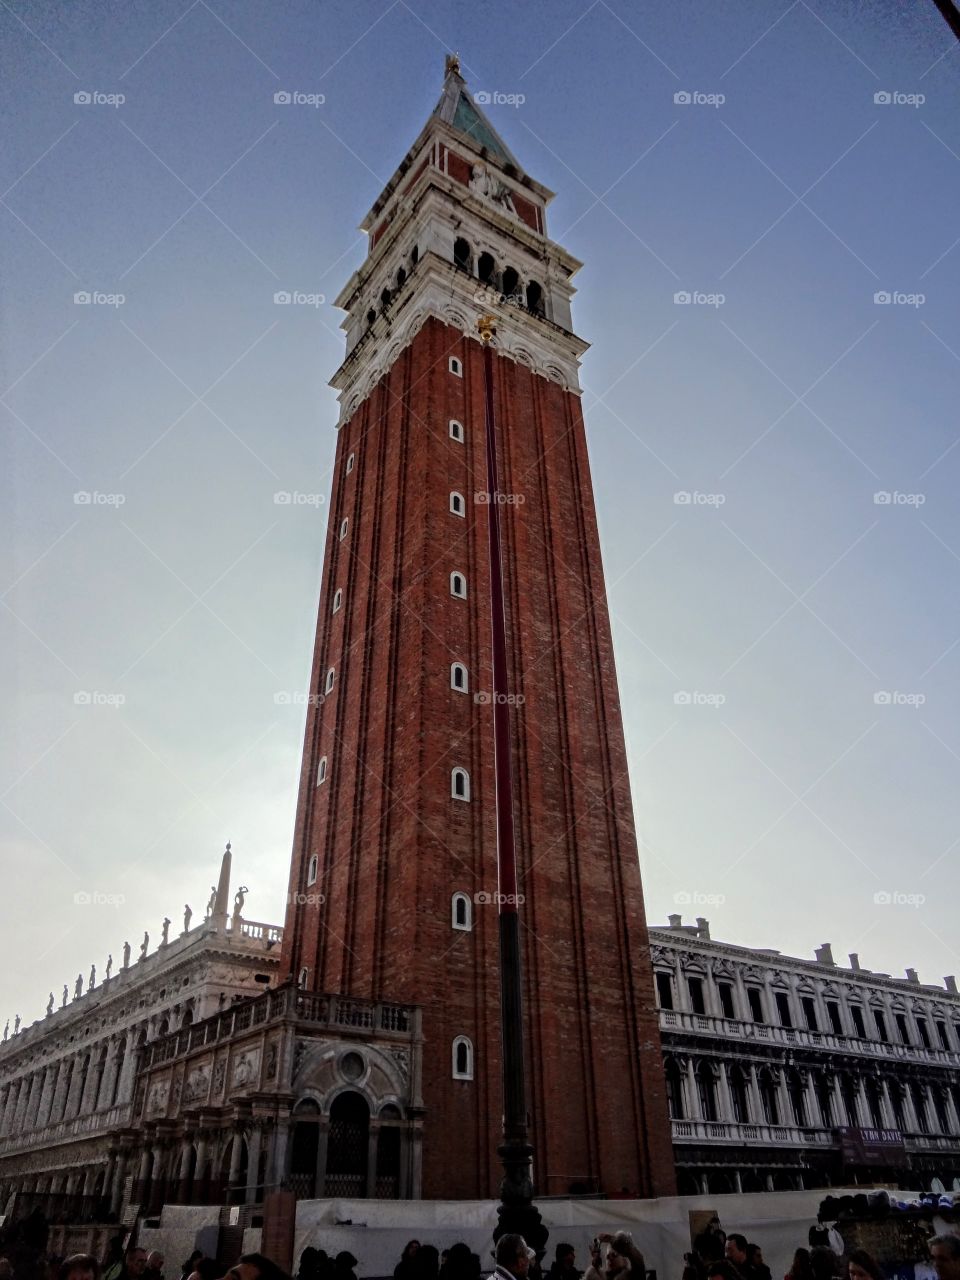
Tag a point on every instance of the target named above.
point(452, 63)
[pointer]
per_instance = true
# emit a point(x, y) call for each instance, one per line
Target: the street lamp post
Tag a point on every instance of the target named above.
point(516, 1212)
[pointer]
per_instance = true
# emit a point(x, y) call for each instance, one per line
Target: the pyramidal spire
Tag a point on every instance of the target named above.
point(221, 904)
point(461, 111)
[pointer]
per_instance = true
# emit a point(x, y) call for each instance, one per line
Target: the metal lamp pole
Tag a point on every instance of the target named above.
point(516, 1212)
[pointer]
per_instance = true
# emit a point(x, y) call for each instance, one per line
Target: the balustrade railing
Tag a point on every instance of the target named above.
point(324, 1010)
point(681, 1020)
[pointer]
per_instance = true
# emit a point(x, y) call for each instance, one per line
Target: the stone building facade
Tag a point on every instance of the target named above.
point(192, 1075)
point(68, 1130)
point(784, 1073)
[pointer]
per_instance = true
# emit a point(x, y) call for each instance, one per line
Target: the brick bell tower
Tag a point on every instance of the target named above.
point(395, 822)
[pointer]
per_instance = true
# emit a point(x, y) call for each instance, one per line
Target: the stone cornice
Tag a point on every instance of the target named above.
point(446, 294)
point(117, 999)
point(677, 941)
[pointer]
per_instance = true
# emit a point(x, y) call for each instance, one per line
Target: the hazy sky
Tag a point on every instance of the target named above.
point(755, 625)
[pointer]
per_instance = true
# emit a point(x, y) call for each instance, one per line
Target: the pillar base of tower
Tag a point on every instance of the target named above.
point(517, 1214)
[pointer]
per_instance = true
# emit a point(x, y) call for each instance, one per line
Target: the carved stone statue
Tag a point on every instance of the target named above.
point(126, 955)
point(165, 935)
point(78, 987)
point(144, 945)
point(484, 184)
point(16, 1025)
point(66, 997)
point(50, 1005)
point(187, 917)
point(6, 1029)
point(213, 900)
point(109, 968)
point(239, 899)
point(92, 981)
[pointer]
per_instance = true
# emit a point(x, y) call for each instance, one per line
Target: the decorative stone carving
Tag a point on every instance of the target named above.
point(198, 1082)
point(245, 1068)
point(157, 1099)
point(401, 1058)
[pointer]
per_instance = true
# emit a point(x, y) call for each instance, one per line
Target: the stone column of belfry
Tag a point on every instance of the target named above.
point(401, 816)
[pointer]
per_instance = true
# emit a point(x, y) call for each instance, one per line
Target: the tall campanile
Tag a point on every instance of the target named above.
point(395, 824)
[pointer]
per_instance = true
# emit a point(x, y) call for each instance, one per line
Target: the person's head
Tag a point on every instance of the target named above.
point(191, 1262)
point(512, 1254)
point(615, 1263)
point(736, 1248)
point(135, 1260)
point(205, 1269)
point(254, 1266)
point(155, 1260)
point(719, 1269)
point(344, 1261)
point(411, 1248)
point(428, 1261)
point(79, 1266)
point(754, 1255)
point(566, 1255)
point(945, 1252)
point(800, 1267)
point(864, 1266)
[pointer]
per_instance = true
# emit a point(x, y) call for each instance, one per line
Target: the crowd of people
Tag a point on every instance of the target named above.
point(24, 1256)
point(716, 1255)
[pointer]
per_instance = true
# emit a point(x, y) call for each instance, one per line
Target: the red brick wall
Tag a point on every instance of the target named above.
point(394, 846)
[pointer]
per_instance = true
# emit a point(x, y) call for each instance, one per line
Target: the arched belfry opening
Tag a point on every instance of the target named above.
point(462, 257)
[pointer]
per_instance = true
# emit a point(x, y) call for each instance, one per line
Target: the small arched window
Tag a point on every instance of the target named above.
point(456, 368)
point(401, 278)
point(535, 298)
point(511, 282)
point(462, 1058)
point(337, 599)
point(344, 525)
point(456, 430)
point(458, 585)
point(328, 683)
point(302, 978)
point(312, 868)
point(350, 462)
point(461, 912)
point(457, 505)
point(461, 254)
point(371, 316)
point(322, 771)
point(414, 255)
point(458, 677)
point(486, 268)
point(385, 298)
point(459, 783)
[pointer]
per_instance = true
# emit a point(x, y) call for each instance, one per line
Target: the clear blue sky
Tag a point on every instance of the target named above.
point(779, 812)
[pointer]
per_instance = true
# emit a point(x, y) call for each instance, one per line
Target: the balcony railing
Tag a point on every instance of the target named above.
point(50, 1135)
point(736, 1134)
point(733, 1029)
point(334, 1011)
